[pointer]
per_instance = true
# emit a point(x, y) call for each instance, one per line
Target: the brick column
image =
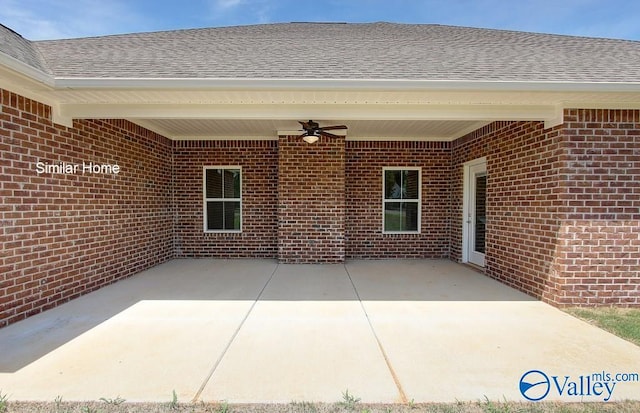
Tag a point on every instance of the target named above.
point(311, 200)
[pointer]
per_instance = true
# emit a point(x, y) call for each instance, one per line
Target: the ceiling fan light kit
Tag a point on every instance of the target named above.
point(313, 131)
point(310, 138)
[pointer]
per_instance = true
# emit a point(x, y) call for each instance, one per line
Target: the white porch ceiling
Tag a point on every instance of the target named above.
point(269, 128)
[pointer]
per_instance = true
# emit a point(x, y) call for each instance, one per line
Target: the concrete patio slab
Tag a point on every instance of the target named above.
point(459, 336)
point(307, 339)
point(257, 331)
point(145, 337)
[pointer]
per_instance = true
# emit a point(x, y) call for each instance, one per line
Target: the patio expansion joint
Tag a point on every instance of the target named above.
point(396, 379)
point(233, 337)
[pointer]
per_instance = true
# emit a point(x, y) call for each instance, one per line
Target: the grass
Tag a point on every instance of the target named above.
point(173, 404)
point(623, 322)
point(4, 400)
point(116, 402)
point(223, 407)
point(349, 401)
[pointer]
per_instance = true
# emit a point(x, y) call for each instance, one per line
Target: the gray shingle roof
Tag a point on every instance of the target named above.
point(14, 45)
point(343, 51)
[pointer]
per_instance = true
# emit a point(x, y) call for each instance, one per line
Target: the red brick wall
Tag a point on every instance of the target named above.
point(599, 263)
point(523, 163)
point(259, 162)
point(365, 161)
point(63, 235)
point(602, 175)
point(311, 200)
point(599, 242)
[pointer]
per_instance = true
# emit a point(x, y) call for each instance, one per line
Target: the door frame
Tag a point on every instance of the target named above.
point(467, 207)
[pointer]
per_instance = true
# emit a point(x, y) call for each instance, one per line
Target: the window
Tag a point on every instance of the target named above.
point(222, 199)
point(401, 200)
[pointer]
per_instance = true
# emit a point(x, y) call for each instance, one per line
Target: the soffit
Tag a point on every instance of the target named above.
point(269, 129)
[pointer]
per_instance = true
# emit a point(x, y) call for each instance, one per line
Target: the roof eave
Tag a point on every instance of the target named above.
point(26, 70)
point(339, 84)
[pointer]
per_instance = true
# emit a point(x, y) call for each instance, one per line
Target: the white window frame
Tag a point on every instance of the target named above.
point(205, 199)
point(419, 200)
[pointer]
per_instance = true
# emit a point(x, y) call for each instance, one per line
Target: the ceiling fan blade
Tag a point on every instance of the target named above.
point(334, 127)
point(327, 134)
point(305, 125)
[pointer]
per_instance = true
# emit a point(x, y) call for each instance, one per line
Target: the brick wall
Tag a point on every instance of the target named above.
point(365, 161)
point(523, 195)
point(63, 235)
point(311, 200)
point(599, 263)
point(259, 162)
point(602, 174)
point(599, 242)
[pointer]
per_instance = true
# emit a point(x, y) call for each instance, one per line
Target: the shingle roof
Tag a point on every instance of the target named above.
point(342, 51)
point(14, 45)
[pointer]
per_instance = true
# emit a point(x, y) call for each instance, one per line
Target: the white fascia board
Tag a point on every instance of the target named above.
point(339, 84)
point(26, 70)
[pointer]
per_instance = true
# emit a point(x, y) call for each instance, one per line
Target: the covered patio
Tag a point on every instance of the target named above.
point(259, 331)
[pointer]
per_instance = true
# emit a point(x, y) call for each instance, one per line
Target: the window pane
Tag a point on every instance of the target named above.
point(215, 215)
point(232, 215)
point(410, 184)
point(392, 216)
point(223, 215)
point(401, 216)
point(232, 183)
point(392, 184)
point(410, 214)
point(214, 183)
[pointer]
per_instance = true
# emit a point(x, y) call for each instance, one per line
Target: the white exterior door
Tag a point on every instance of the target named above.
point(475, 212)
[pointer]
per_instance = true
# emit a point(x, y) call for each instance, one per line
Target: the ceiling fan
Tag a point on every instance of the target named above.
point(313, 131)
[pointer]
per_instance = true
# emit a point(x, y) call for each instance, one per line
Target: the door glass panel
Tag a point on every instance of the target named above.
point(480, 213)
